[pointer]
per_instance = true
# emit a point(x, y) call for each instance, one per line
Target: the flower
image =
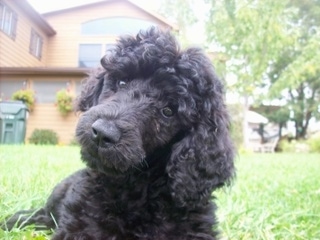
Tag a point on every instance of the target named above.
point(64, 101)
point(27, 96)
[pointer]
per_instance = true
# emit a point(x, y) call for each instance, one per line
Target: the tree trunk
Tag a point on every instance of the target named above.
point(302, 126)
point(300, 129)
point(280, 129)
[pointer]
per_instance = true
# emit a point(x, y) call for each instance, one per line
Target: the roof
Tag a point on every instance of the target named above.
point(100, 3)
point(254, 117)
point(35, 16)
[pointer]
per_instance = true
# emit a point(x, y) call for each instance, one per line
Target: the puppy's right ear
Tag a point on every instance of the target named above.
point(90, 91)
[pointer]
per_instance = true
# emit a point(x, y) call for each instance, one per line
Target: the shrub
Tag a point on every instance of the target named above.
point(314, 144)
point(64, 101)
point(44, 137)
point(26, 96)
point(285, 146)
point(74, 142)
point(294, 146)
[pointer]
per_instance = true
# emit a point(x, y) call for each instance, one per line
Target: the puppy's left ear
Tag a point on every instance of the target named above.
point(91, 90)
point(203, 160)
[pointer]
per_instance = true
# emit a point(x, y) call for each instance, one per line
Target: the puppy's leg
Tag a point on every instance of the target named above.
point(48, 216)
point(40, 218)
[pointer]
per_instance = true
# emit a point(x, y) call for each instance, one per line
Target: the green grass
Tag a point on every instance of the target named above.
point(27, 176)
point(275, 196)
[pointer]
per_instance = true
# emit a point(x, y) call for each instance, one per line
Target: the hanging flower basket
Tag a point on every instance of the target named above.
point(27, 96)
point(64, 101)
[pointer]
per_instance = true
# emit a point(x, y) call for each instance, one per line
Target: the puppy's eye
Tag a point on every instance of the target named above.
point(122, 83)
point(167, 112)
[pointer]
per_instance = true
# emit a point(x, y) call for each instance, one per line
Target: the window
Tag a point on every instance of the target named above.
point(8, 87)
point(114, 26)
point(8, 21)
point(46, 90)
point(91, 54)
point(36, 43)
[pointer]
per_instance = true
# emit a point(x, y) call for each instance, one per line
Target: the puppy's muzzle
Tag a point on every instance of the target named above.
point(105, 133)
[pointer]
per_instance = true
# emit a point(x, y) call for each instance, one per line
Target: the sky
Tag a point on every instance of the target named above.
point(195, 33)
point(47, 6)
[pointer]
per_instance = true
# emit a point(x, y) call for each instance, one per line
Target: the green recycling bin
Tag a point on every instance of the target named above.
point(13, 116)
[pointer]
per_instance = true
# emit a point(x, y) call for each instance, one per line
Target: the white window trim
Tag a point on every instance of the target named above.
point(36, 44)
point(13, 20)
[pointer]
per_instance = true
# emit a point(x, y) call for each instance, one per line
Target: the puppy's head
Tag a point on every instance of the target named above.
point(155, 104)
point(132, 118)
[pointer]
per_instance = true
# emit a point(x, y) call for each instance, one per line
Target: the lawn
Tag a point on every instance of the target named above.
point(275, 196)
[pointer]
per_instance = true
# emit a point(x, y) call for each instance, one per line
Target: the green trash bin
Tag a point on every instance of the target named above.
point(13, 116)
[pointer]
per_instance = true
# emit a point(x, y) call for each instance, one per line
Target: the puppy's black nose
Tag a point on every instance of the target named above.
point(105, 133)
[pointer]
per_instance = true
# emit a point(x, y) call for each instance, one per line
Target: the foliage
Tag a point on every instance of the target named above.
point(236, 124)
point(74, 142)
point(285, 146)
point(314, 144)
point(295, 75)
point(276, 114)
point(64, 101)
point(27, 96)
point(250, 34)
point(310, 145)
point(299, 146)
point(44, 137)
point(180, 12)
point(270, 46)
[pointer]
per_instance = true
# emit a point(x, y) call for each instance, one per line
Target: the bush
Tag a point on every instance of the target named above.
point(294, 146)
point(44, 137)
point(285, 146)
point(74, 142)
point(26, 96)
point(314, 144)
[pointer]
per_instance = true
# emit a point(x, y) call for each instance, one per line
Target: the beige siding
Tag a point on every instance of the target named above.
point(47, 116)
point(59, 50)
point(15, 53)
point(64, 46)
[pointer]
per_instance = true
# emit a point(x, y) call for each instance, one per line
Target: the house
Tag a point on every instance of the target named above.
point(54, 51)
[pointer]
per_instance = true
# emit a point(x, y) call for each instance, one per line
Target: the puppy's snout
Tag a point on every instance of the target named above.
point(105, 133)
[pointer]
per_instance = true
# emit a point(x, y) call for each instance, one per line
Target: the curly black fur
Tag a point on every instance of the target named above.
point(154, 135)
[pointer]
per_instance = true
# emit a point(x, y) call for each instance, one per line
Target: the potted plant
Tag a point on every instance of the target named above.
point(64, 101)
point(27, 96)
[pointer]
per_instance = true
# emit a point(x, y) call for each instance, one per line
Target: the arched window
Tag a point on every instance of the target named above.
point(114, 26)
point(90, 54)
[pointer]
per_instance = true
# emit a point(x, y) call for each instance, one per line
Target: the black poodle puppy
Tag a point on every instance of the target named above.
point(154, 135)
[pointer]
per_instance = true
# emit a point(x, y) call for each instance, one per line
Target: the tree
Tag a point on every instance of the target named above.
point(250, 33)
point(276, 114)
point(295, 76)
point(271, 48)
point(180, 12)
